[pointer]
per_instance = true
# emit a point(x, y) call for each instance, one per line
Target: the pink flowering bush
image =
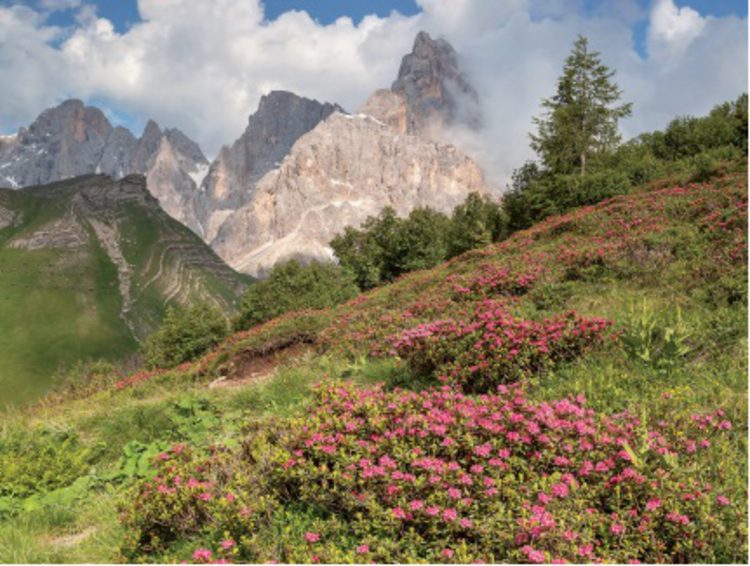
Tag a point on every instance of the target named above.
point(438, 476)
point(494, 347)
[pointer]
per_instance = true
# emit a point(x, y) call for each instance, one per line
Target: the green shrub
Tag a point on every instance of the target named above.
point(661, 344)
point(292, 286)
point(41, 460)
point(184, 335)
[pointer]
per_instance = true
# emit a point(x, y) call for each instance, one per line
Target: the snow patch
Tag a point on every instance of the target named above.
point(199, 174)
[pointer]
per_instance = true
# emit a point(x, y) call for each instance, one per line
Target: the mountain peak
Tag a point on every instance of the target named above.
point(437, 93)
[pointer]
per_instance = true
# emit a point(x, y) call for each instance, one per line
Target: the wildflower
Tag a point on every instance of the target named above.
point(227, 544)
point(447, 553)
point(617, 529)
point(202, 554)
point(653, 504)
point(465, 523)
point(399, 513)
point(312, 537)
point(723, 501)
point(450, 514)
point(363, 549)
point(560, 490)
point(432, 511)
point(415, 505)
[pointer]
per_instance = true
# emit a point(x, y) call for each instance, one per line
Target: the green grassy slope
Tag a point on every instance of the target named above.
point(672, 257)
point(61, 301)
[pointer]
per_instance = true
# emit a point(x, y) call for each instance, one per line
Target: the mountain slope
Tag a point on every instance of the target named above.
point(87, 267)
point(291, 471)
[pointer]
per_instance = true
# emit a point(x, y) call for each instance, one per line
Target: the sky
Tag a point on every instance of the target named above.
point(202, 66)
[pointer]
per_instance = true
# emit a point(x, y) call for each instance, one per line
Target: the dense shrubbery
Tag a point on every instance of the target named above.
point(185, 334)
point(437, 476)
point(387, 246)
point(41, 460)
point(493, 347)
point(292, 286)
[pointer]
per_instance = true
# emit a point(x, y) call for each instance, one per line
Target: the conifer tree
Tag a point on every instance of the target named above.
point(581, 118)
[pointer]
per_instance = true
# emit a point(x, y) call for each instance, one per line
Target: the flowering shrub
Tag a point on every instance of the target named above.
point(437, 476)
point(495, 347)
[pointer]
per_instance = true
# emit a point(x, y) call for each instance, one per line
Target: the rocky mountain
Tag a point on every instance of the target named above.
point(344, 170)
point(72, 139)
point(349, 167)
point(87, 268)
point(429, 93)
point(282, 117)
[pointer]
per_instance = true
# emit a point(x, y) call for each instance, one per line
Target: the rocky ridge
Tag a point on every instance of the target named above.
point(71, 140)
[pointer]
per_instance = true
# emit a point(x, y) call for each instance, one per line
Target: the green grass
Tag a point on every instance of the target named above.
point(61, 306)
point(180, 406)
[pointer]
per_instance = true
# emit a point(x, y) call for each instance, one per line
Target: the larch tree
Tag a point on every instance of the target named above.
point(581, 119)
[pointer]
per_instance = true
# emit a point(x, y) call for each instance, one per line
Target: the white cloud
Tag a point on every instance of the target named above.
point(202, 66)
point(672, 29)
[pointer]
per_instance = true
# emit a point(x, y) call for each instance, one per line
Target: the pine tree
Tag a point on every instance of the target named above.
point(581, 119)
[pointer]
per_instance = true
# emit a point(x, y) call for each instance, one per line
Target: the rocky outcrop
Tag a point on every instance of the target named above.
point(344, 170)
point(72, 140)
point(429, 94)
point(282, 117)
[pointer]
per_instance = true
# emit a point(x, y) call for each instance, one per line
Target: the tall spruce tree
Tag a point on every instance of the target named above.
point(581, 118)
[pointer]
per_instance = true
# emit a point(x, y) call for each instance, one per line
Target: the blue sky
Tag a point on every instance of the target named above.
point(124, 13)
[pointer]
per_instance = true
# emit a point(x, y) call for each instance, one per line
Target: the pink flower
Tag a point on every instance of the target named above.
point(653, 504)
point(363, 549)
point(450, 514)
point(312, 537)
point(432, 511)
point(586, 550)
point(617, 529)
point(722, 500)
point(416, 505)
point(465, 523)
point(399, 513)
point(205, 496)
point(202, 554)
point(454, 493)
point(560, 490)
point(227, 544)
point(447, 553)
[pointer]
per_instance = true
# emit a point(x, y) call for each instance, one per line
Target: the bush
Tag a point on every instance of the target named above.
point(494, 348)
point(292, 286)
point(368, 475)
point(41, 460)
point(184, 335)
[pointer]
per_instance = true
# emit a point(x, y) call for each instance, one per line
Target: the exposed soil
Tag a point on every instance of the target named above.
point(259, 364)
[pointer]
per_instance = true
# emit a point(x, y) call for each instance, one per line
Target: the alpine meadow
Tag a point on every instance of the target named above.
point(495, 312)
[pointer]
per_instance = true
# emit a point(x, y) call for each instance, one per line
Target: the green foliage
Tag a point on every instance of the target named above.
point(185, 334)
point(581, 121)
point(726, 125)
point(292, 286)
point(41, 460)
point(387, 246)
point(648, 338)
point(475, 223)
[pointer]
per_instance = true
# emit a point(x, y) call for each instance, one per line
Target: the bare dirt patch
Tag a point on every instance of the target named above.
point(260, 364)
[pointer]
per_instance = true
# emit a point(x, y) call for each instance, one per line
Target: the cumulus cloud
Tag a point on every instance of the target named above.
point(202, 66)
